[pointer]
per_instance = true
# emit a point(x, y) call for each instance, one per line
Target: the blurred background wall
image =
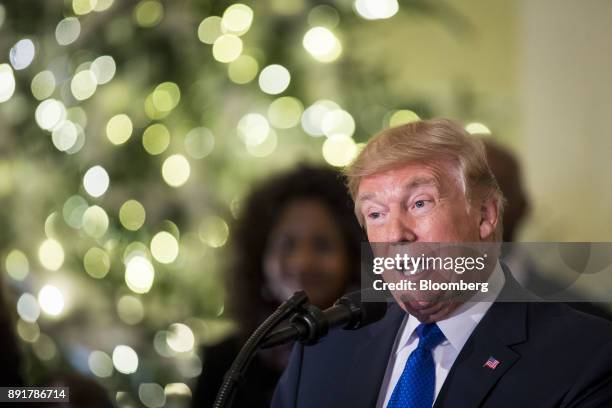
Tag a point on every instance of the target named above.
point(130, 131)
point(565, 98)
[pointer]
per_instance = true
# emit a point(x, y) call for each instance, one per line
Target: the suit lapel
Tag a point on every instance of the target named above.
point(370, 360)
point(470, 380)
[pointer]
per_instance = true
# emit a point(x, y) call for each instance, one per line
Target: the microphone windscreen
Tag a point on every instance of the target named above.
point(364, 312)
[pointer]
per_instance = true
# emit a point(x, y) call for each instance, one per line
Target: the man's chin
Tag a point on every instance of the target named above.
point(428, 311)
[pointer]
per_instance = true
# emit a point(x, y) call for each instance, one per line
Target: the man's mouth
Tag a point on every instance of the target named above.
point(411, 270)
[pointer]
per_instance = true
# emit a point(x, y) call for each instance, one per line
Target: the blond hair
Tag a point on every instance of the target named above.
point(425, 141)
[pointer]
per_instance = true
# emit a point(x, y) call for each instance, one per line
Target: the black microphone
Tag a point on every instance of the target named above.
point(312, 323)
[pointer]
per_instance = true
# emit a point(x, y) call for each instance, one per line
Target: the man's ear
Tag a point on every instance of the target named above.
point(489, 218)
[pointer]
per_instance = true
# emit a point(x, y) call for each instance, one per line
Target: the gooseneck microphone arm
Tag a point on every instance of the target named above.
point(307, 324)
point(235, 374)
point(312, 324)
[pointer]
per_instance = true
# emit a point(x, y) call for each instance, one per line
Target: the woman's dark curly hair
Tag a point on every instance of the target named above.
point(248, 301)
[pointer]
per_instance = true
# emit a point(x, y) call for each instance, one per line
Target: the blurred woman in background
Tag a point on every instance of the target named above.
point(296, 231)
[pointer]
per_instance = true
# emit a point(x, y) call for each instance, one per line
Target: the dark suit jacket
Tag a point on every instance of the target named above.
point(550, 356)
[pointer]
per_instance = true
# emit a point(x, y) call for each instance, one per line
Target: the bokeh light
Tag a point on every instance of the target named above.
point(96, 181)
point(29, 332)
point(180, 338)
point(104, 69)
point(51, 300)
point(237, 19)
point(83, 85)
point(100, 364)
point(43, 85)
point(160, 344)
point(50, 113)
point(151, 111)
point(199, 142)
point(51, 225)
point(51, 254)
point(130, 309)
point(148, 13)
point(312, 118)
point(77, 115)
point(45, 348)
point(102, 5)
point(95, 221)
point(73, 211)
point(376, 9)
point(96, 262)
point(156, 139)
point(132, 215)
point(125, 359)
point(177, 389)
point(65, 136)
point(285, 112)
point(139, 274)
point(119, 129)
point(322, 44)
point(210, 29)
point(80, 139)
point(67, 31)
point(164, 247)
point(403, 116)
point(166, 96)
point(27, 308)
point(243, 69)
point(323, 15)
point(266, 147)
point(22, 53)
point(274, 79)
point(213, 231)
point(176, 170)
point(151, 395)
point(338, 122)
point(227, 48)
point(82, 7)
point(477, 128)
point(7, 82)
point(253, 129)
point(134, 249)
point(17, 265)
point(339, 150)
point(190, 366)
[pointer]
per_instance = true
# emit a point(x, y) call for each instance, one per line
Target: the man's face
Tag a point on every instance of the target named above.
point(418, 203)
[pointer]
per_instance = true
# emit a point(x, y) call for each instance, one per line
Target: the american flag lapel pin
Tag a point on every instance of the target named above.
point(491, 363)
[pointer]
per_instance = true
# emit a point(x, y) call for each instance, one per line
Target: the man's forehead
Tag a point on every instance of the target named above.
point(405, 177)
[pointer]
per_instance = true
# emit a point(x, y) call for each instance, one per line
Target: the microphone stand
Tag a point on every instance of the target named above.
point(235, 375)
point(307, 324)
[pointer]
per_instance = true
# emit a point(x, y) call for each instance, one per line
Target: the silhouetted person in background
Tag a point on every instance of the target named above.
point(296, 230)
point(507, 171)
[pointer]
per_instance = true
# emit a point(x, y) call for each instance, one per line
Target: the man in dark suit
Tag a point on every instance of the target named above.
point(429, 182)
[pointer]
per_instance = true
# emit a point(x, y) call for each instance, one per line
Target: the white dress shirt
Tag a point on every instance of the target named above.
point(456, 328)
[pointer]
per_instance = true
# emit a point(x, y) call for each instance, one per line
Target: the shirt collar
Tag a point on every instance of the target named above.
point(458, 327)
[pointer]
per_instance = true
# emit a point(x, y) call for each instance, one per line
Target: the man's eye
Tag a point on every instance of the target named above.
point(421, 203)
point(374, 215)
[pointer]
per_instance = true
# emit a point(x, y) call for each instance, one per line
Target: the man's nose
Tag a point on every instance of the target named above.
point(400, 230)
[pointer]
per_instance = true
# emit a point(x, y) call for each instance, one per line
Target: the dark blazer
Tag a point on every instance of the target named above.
point(550, 356)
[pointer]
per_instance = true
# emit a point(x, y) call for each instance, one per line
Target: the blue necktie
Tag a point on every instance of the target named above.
point(416, 386)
